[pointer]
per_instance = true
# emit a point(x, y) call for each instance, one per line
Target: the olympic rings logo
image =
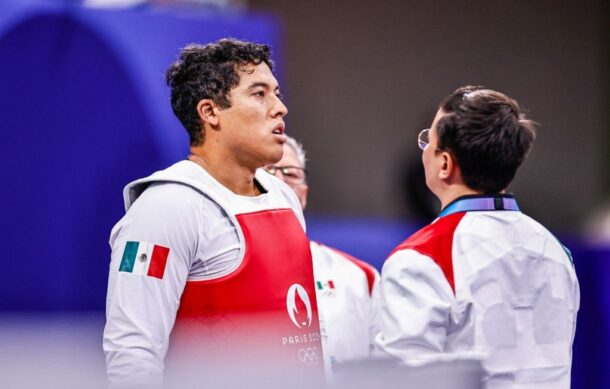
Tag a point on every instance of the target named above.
point(309, 356)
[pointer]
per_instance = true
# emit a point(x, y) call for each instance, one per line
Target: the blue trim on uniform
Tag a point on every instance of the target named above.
point(471, 203)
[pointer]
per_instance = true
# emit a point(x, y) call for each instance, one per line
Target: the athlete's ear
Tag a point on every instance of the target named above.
point(208, 112)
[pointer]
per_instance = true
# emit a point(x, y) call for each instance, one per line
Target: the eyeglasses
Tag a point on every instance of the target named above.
point(423, 139)
point(291, 174)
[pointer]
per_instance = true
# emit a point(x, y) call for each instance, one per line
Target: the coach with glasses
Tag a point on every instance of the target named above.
point(483, 278)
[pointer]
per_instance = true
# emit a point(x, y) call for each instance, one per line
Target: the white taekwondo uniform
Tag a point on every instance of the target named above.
point(484, 278)
point(348, 294)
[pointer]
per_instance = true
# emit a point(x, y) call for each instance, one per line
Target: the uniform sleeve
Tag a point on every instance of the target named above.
point(576, 307)
point(416, 303)
point(141, 309)
point(375, 311)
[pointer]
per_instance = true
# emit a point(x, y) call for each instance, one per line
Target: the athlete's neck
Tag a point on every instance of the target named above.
point(238, 179)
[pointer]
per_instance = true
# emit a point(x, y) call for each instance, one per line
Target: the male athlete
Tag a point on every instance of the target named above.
point(347, 288)
point(212, 250)
point(483, 277)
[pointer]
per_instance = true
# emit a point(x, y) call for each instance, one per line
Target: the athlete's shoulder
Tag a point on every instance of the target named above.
point(184, 173)
point(170, 196)
point(165, 205)
point(165, 213)
point(371, 274)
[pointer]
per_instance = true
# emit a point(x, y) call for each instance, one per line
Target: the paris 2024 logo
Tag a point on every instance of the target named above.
point(296, 298)
point(300, 312)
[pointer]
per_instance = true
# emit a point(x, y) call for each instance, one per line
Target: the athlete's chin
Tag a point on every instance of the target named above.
point(275, 155)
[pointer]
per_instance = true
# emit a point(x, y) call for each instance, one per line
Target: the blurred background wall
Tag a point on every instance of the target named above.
point(85, 110)
point(362, 79)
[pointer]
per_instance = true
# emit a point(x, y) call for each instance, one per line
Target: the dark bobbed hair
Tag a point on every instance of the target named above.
point(488, 135)
point(209, 72)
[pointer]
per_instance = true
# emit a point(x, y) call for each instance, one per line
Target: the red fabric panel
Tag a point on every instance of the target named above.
point(266, 309)
point(436, 242)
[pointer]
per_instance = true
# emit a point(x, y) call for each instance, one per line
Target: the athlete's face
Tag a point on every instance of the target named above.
point(254, 124)
point(432, 158)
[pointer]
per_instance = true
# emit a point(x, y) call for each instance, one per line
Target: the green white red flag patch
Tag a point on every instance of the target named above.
point(144, 258)
point(325, 285)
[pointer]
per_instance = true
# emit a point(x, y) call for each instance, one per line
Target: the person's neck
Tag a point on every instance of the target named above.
point(454, 192)
point(226, 170)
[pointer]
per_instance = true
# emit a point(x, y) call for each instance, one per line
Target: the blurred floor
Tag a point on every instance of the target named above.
point(52, 350)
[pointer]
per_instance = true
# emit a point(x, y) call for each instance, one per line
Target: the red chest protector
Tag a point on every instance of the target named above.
point(262, 317)
point(265, 311)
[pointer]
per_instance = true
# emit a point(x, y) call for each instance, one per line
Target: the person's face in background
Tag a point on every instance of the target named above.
point(295, 178)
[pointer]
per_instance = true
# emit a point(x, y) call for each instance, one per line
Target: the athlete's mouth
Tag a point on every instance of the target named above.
point(279, 129)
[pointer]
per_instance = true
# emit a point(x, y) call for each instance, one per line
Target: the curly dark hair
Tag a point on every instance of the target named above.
point(209, 72)
point(487, 133)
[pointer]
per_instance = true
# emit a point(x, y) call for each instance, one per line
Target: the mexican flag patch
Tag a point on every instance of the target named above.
point(325, 285)
point(144, 258)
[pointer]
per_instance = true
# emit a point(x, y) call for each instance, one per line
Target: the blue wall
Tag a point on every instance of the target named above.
point(84, 111)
